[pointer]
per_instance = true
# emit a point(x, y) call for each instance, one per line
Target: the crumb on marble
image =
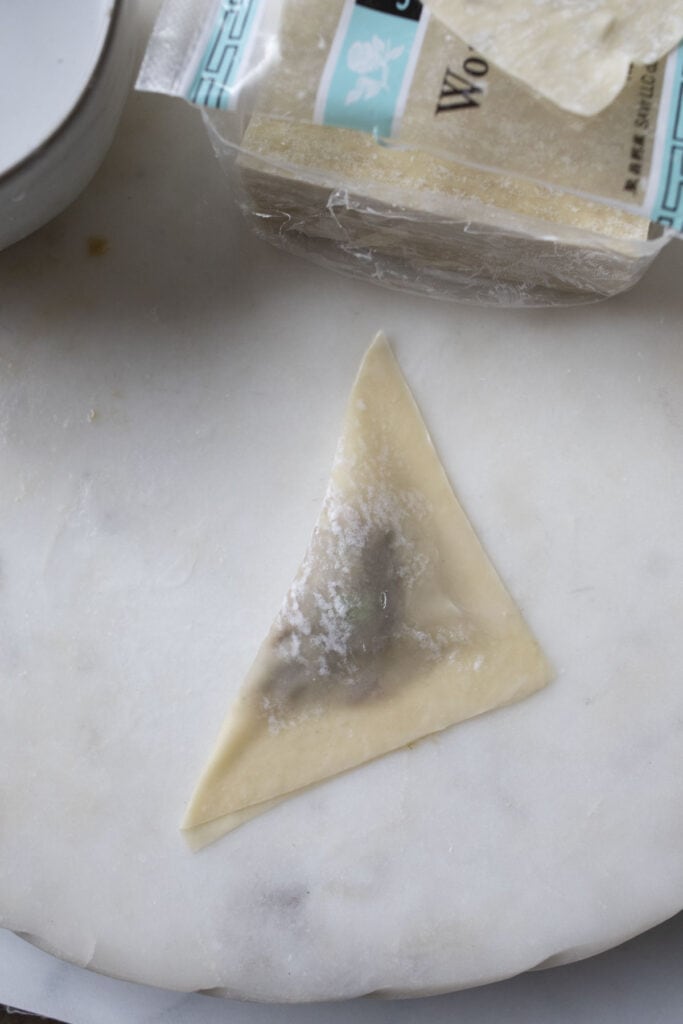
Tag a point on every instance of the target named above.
point(97, 245)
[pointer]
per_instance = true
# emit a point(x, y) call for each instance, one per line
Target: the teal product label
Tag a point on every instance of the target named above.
point(665, 204)
point(217, 79)
point(371, 64)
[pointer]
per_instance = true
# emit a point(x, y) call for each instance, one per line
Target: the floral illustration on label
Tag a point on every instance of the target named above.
point(370, 65)
point(371, 61)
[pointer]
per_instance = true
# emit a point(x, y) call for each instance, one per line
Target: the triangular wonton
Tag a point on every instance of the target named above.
point(396, 625)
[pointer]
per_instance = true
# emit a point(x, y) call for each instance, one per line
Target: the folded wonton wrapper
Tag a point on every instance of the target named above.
point(396, 626)
point(576, 53)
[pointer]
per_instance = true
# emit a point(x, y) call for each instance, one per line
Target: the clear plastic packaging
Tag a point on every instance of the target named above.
point(364, 135)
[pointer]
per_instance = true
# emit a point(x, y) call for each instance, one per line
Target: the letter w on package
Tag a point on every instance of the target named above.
point(370, 65)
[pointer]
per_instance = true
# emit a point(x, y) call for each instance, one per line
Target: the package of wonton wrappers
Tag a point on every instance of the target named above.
point(508, 153)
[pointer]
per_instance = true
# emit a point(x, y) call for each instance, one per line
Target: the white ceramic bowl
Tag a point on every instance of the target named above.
point(65, 71)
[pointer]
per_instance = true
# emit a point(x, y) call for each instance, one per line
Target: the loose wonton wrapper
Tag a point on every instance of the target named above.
point(574, 52)
point(395, 627)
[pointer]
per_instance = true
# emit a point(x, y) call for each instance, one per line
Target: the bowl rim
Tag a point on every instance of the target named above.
point(36, 154)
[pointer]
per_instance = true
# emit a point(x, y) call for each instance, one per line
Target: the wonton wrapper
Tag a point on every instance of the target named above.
point(574, 52)
point(396, 625)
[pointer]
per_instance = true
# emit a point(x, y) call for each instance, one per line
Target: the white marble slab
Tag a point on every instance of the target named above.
point(640, 981)
point(168, 413)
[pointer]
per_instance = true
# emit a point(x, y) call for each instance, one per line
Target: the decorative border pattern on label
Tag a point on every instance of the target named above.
point(370, 65)
point(665, 196)
point(215, 81)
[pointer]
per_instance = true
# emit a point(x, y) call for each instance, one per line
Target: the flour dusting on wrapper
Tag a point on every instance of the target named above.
point(366, 135)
